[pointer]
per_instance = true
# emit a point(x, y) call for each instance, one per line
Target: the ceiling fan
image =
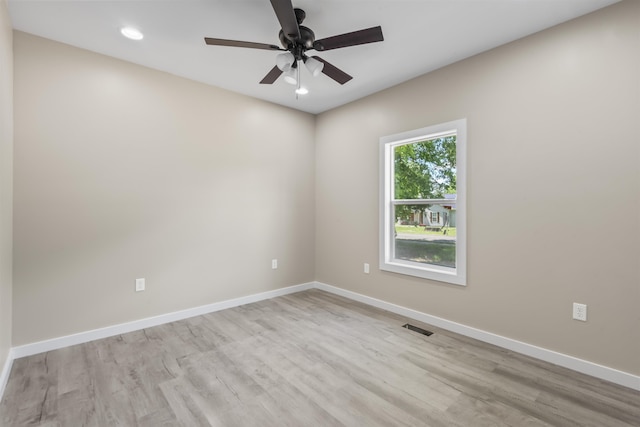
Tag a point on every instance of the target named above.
point(296, 40)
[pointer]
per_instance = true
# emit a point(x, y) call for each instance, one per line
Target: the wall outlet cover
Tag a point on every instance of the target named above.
point(580, 311)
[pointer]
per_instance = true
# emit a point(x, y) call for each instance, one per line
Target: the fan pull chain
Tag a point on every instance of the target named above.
point(298, 80)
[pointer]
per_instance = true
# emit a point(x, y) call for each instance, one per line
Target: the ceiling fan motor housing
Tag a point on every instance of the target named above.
point(307, 37)
point(297, 46)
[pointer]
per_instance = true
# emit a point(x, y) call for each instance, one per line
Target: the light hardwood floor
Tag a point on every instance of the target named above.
point(307, 359)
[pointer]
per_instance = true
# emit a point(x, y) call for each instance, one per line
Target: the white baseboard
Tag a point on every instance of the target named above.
point(570, 362)
point(593, 369)
point(6, 370)
point(136, 325)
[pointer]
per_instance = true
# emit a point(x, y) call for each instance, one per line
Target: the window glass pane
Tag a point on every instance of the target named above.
point(425, 169)
point(426, 234)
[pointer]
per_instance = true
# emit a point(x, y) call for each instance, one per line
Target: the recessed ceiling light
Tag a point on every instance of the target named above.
point(302, 91)
point(131, 33)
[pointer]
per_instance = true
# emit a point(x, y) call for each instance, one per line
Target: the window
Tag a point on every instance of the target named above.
point(422, 202)
point(435, 217)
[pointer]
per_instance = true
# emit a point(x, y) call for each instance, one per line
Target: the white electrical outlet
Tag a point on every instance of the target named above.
point(580, 311)
point(274, 264)
point(366, 268)
point(140, 285)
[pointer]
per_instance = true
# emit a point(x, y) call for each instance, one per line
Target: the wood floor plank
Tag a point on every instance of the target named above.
point(305, 359)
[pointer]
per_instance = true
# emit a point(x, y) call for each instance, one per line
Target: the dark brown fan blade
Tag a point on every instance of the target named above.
point(334, 72)
point(369, 35)
point(287, 18)
point(237, 43)
point(271, 77)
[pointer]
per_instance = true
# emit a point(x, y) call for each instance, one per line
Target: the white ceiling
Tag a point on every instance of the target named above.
point(420, 36)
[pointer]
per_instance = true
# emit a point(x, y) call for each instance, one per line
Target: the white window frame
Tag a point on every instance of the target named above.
point(457, 275)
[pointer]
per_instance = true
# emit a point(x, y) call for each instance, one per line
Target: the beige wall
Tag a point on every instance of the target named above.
point(553, 188)
point(124, 172)
point(6, 180)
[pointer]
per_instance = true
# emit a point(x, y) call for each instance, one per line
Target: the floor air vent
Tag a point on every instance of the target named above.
point(416, 329)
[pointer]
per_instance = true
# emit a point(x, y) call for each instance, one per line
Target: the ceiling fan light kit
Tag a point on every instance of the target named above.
point(291, 76)
point(296, 40)
point(314, 66)
point(284, 61)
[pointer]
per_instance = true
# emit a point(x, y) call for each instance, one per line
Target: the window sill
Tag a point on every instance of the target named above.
point(443, 274)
